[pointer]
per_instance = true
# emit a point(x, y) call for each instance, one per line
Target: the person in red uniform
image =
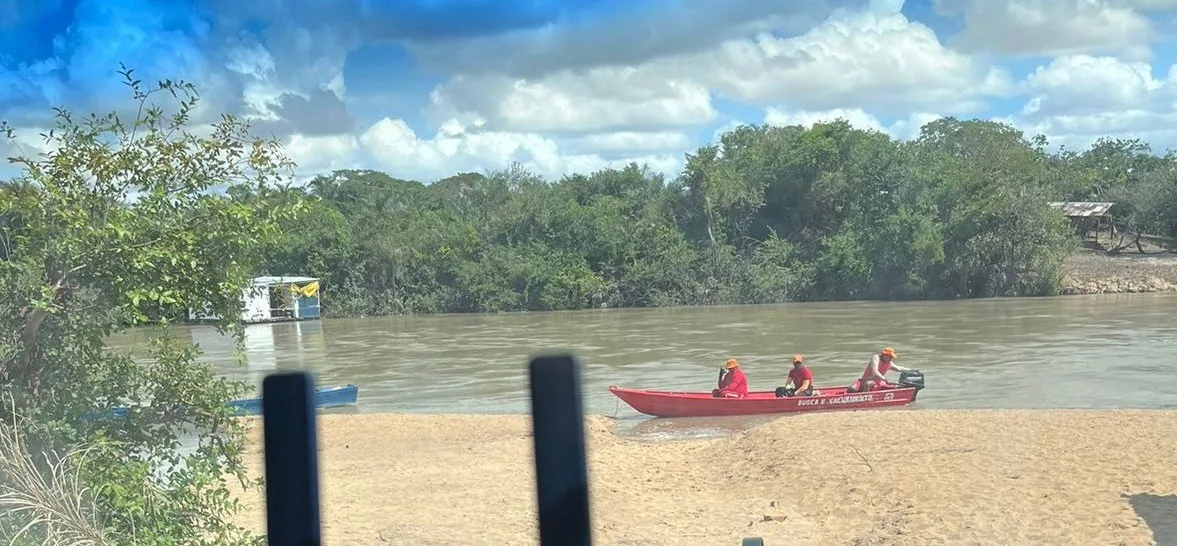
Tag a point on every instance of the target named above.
point(873, 377)
point(800, 380)
point(732, 382)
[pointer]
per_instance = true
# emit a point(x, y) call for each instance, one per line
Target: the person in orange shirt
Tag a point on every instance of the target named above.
point(732, 382)
point(800, 380)
point(873, 377)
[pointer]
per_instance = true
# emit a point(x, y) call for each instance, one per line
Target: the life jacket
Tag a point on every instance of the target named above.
point(884, 367)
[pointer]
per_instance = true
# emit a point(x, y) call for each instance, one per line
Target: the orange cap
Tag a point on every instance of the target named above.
point(887, 351)
point(732, 363)
point(798, 358)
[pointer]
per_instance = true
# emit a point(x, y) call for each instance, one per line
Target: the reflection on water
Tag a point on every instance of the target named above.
point(1080, 351)
point(268, 348)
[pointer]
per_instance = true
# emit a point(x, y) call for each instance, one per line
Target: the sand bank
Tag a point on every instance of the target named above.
point(1095, 272)
point(869, 478)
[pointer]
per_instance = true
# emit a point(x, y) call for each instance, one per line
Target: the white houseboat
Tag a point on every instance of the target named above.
point(274, 299)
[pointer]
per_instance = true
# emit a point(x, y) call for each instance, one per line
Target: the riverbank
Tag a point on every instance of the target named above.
point(1091, 271)
point(877, 478)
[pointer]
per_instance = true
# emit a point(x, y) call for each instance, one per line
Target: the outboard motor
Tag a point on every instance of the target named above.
point(912, 378)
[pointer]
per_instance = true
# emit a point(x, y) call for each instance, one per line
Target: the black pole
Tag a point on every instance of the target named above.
point(561, 469)
point(292, 460)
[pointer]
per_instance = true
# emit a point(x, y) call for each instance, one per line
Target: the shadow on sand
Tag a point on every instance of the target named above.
point(1159, 512)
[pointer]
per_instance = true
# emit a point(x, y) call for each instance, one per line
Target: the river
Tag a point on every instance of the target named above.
point(1067, 352)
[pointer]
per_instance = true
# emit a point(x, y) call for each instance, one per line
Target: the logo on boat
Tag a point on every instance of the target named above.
point(889, 396)
point(845, 399)
point(853, 399)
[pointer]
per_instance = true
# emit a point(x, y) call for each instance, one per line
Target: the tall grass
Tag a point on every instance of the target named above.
point(45, 503)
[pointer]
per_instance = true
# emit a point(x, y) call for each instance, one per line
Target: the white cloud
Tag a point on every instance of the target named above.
point(864, 67)
point(876, 61)
point(630, 141)
point(323, 153)
point(1051, 27)
point(256, 66)
point(881, 62)
point(393, 146)
point(602, 99)
point(1081, 85)
point(1147, 5)
point(250, 60)
point(1077, 99)
point(606, 92)
point(652, 29)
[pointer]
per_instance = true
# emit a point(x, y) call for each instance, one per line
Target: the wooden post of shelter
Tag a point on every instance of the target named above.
point(1081, 213)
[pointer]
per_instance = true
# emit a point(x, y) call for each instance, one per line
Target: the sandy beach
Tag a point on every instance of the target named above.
point(867, 478)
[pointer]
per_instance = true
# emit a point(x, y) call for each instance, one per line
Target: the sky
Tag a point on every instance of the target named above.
point(423, 89)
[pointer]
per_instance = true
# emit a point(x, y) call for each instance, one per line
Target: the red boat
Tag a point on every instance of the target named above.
point(702, 404)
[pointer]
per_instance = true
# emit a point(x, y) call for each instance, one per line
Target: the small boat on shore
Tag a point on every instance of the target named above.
point(325, 397)
point(702, 404)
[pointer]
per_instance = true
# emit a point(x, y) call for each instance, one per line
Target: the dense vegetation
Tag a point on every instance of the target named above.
point(768, 215)
point(115, 222)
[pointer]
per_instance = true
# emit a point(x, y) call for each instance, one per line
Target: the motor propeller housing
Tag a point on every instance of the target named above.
point(912, 378)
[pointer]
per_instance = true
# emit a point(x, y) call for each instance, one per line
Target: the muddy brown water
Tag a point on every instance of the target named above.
point(1068, 352)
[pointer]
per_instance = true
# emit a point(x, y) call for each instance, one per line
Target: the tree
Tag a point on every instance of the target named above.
point(825, 212)
point(121, 218)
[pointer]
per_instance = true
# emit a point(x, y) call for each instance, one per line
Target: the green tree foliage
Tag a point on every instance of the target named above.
point(119, 219)
point(769, 214)
point(1143, 186)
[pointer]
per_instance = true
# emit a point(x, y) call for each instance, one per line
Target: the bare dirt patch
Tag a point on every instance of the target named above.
point(1092, 270)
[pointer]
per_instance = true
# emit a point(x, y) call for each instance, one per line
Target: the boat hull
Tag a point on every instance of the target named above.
point(331, 397)
point(702, 404)
point(328, 397)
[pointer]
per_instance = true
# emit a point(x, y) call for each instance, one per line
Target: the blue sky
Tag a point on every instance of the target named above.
point(425, 88)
